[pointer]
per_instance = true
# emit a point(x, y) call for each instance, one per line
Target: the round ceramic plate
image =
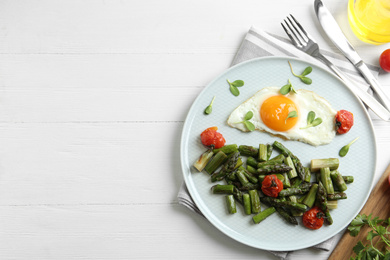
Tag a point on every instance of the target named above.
point(274, 233)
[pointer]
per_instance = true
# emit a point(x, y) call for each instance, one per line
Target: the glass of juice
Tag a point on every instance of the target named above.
point(370, 20)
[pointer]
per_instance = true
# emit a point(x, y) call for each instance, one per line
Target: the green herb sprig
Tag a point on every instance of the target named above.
point(312, 121)
point(287, 89)
point(234, 86)
point(344, 150)
point(379, 249)
point(291, 115)
point(246, 122)
point(209, 108)
point(303, 77)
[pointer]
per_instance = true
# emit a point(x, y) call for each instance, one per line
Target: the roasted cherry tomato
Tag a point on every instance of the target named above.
point(210, 136)
point(313, 218)
point(344, 121)
point(384, 60)
point(271, 185)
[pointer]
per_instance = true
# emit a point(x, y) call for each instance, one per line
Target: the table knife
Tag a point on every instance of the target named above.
point(333, 31)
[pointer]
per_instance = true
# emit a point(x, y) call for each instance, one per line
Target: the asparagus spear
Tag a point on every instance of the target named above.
point(323, 202)
point(269, 151)
point(228, 166)
point(203, 160)
point(231, 204)
point(326, 180)
point(278, 168)
point(222, 189)
point(251, 169)
point(338, 180)
point(292, 173)
point(247, 203)
point(276, 160)
point(284, 214)
point(247, 150)
point(286, 204)
point(217, 160)
point(301, 189)
point(251, 161)
point(255, 201)
point(337, 196)
point(227, 149)
point(263, 215)
point(249, 175)
point(348, 179)
point(317, 164)
point(297, 163)
point(262, 153)
point(311, 196)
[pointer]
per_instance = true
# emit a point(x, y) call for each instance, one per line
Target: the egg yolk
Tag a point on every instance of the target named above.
point(274, 112)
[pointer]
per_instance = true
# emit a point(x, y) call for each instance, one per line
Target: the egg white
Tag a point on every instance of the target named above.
point(305, 101)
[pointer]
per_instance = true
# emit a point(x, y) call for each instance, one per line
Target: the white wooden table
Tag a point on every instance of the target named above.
point(93, 97)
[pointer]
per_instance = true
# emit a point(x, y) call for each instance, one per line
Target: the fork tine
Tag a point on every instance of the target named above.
point(295, 32)
point(300, 35)
point(301, 28)
point(290, 36)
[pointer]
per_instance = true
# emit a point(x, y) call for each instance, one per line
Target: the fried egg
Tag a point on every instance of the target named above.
point(270, 114)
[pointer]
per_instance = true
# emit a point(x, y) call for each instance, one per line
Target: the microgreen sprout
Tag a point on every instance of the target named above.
point(312, 121)
point(209, 108)
point(344, 150)
point(291, 115)
point(233, 86)
point(246, 121)
point(287, 88)
point(303, 77)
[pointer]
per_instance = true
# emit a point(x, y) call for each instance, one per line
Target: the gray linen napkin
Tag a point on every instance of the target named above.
point(258, 43)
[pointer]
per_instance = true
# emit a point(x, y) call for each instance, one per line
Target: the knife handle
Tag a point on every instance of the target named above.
point(374, 84)
point(369, 100)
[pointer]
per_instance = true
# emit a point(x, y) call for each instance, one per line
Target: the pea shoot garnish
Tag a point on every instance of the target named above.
point(209, 108)
point(246, 121)
point(303, 77)
point(287, 88)
point(234, 86)
point(291, 115)
point(344, 150)
point(312, 121)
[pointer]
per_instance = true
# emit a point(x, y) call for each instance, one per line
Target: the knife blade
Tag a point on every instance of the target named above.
point(333, 31)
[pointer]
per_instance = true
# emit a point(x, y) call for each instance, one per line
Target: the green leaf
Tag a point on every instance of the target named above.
point(285, 89)
point(248, 115)
point(310, 117)
point(238, 83)
point(381, 230)
point(370, 235)
point(307, 71)
point(358, 248)
point(209, 108)
point(234, 90)
point(358, 220)
point(249, 125)
point(317, 121)
point(354, 230)
point(343, 152)
point(306, 80)
point(291, 115)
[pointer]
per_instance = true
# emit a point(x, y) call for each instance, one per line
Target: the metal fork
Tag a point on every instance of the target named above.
point(306, 43)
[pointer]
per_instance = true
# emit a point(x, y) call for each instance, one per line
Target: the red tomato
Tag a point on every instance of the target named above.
point(313, 218)
point(271, 186)
point(344, 121)
point(210, 136)
point(384, 60)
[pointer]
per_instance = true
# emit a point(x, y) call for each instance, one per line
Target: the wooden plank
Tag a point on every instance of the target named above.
point(377, 205)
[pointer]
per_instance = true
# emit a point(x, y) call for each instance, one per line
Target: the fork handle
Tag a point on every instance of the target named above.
point(369, 100)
